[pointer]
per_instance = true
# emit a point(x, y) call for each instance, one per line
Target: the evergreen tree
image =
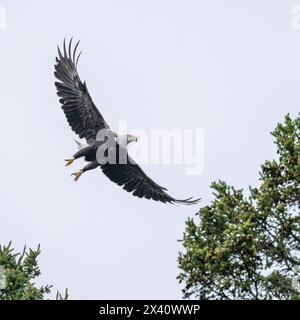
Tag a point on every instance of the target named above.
point(17, 272)
point(247, 247)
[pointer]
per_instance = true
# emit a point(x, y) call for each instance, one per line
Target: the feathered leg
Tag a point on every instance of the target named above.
point(79, 154)
point(90, 166)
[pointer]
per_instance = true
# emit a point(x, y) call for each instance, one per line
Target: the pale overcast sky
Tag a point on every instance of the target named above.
point(230, 68)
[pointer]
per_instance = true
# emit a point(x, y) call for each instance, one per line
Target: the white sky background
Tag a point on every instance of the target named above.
point(231, 68)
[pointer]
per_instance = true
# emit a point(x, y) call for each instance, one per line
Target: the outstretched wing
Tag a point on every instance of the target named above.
point(78, 106)
point(133, 179)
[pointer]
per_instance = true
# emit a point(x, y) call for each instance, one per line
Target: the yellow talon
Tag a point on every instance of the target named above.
point(77, 175)
point(69, 161)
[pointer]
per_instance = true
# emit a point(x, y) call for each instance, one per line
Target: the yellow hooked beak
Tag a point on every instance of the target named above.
point(132, 138)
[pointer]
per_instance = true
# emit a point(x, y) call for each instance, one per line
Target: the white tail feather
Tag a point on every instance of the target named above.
point(80, 145)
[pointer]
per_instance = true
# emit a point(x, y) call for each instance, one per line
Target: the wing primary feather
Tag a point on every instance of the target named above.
point(70, 46)
point(74, 52)
point(65, 51)
point(77, 59)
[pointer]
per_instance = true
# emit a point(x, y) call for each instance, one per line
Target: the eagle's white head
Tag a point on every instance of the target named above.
point(125, 139)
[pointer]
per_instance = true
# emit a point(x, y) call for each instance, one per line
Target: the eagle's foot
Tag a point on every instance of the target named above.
point(77, 174)
point(69, 161)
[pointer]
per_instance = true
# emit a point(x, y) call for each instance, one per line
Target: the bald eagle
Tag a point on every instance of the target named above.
point(86, 121)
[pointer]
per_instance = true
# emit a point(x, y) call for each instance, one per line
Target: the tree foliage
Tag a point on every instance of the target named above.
point(17, 272)
point(247, 247)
